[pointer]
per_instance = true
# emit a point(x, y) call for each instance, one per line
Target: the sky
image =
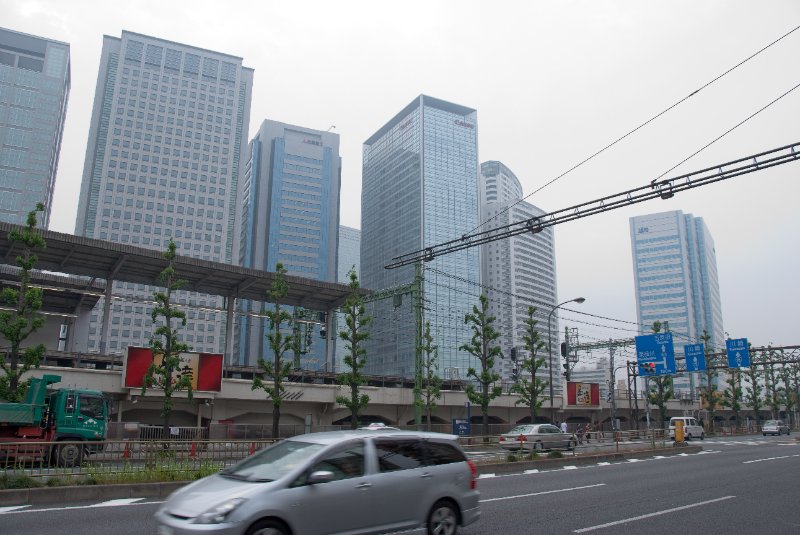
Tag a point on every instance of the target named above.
point(553, 83)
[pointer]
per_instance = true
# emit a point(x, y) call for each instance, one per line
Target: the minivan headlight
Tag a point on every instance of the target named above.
point(219, 513)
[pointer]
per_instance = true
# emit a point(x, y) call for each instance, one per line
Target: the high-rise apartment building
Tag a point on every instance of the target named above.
point(166, 137)
point(34, 88)
point(290, 214)
point(420, 188)
point(517, 272)
point(349, 259)
point(675, 274)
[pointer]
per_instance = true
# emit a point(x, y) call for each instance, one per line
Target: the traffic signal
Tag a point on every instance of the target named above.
point(648, 368)
point(563, 349)
point(514, 353)
point(566, 370)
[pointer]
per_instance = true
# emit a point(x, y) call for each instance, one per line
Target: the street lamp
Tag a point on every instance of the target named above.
point(578, 300)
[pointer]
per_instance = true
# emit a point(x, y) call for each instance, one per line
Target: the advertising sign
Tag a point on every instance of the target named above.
point(583, 394)
point(205, 368)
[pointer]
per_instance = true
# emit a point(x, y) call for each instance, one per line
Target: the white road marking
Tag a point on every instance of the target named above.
point(571, 467)
point(117, 503)
point(603, 464)
point(486, 476)
point(770, 459)
point(635, 460)
point(73, 507)
point(534, 471)
point(542, 493)
point(662, 457)
point(12, 508)
point(649, 515)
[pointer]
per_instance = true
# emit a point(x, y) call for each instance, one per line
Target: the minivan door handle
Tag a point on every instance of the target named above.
point(426, 475)
point(363, 486)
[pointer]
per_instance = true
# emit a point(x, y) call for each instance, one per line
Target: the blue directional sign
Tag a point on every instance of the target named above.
point(695, 357)
point(655, 354)
point(738, 354)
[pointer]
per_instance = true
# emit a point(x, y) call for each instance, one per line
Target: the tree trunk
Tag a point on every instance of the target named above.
point(276, 419)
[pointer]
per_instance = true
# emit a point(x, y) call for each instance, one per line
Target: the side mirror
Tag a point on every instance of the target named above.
point(320, 476)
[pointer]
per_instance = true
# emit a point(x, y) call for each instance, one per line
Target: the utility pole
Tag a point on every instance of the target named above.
point(611, 389)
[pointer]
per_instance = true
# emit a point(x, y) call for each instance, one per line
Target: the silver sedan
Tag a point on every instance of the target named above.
point(537, 437)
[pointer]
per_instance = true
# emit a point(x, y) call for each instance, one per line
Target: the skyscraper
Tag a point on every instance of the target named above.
point(518, 272)
point(420, 188)
point(34, 88)
point(675, 274)
point(290, 214)
point(349, 258)
point(168, 129)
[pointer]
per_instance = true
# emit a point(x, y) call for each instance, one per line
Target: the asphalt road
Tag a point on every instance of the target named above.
point(739, 485)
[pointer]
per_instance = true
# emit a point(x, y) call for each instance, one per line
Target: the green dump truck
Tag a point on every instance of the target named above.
point(57, 426)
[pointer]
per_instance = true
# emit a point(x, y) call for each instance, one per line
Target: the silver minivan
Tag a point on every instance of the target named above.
point(338, 482)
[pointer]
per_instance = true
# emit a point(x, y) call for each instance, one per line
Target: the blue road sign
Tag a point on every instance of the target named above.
point(738, 354)
point(695, 357)
point(655, 354)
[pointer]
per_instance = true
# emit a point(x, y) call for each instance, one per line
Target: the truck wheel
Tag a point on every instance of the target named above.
point(69, 455)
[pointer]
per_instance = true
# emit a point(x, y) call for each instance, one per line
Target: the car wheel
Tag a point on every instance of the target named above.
point(69, 455)
point(689, 436)
point(443, 519)
point(538, 446)
point(765, 434)
point(268, 527)
point(572, 445)
point(702, 436)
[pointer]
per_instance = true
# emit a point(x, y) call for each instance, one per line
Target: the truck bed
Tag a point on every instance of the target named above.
point(20, 414)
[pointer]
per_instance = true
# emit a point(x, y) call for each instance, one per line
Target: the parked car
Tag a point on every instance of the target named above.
point(691, 428)
point(774, 427)
point(336, 482)
point(537, 437)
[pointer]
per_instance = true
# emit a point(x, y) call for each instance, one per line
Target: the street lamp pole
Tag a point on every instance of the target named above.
point(578, 300)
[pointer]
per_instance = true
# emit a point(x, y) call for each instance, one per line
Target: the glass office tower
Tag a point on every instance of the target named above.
point(167, 134)
point(290, 214)
point(675, 273)
point(420, 188)
point(34, 87)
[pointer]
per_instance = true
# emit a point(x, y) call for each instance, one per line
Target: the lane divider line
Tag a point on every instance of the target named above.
point(12, 508)
point(117, 502)
point(543, 493)
point(650, 515)
point(770, 459)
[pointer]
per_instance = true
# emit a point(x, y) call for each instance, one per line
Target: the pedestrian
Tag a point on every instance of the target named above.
point(563, 427)
point(587, 430)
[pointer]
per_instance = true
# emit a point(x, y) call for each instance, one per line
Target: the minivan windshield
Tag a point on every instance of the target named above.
point(274, 462)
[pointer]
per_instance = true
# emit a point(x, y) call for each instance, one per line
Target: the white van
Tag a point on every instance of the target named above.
point(691, 428)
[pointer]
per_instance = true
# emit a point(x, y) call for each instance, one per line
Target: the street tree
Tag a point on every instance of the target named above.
point(790, 375)
point(660, 391)
point(772, 384)
point(482, 346)
point(22, 318)
point(529, 386)
point(430, 388)
point(356, 321)
point(165, 371)
point(709, 395)
point(276, 370)
point(732, 396)
point(753, 393)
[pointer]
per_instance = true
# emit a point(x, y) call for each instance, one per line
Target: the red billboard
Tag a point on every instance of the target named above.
point(206, 368)
point(583, 394)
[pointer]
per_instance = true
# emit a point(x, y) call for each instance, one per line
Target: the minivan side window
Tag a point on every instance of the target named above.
point(399, 454)
point(344, 463)
point(442, 453)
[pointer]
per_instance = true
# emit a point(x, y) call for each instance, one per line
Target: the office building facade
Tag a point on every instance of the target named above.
point(166, 138)
point(676, 281)
point(34, 89)
point(290, 214)
point(420, 188)
point(517, 272)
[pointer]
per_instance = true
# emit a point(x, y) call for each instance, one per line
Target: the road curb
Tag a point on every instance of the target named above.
point(81, 493)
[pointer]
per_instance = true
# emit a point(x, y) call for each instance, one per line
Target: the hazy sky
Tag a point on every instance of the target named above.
point(553, 82)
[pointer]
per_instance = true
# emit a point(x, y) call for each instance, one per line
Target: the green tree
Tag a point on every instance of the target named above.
point(753, 394)
point(709, 394)
point(165, 371)
point(277, 369)
point(24, 318)
point(732, 396)
point(660, 391)
point(772, 384)
point(790, 375)
point(531, 390)
point(356, 358)
point(483, 348)
point(431, 387)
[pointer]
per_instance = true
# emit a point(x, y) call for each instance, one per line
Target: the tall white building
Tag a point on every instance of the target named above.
point(518, 272)
point(675, 276)
point(34, 88)
point(167, 134)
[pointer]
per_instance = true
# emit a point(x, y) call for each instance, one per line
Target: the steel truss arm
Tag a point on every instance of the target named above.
point(663, 189)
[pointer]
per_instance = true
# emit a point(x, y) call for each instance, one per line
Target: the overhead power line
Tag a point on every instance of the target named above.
point(664, 189)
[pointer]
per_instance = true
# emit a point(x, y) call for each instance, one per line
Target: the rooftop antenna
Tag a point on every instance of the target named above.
point(331, 127)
